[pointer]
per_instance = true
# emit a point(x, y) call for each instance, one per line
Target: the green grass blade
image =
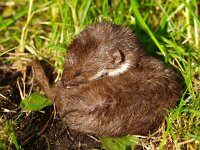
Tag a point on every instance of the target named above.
point(134, 5)
point(85, 11)
point(192, 12)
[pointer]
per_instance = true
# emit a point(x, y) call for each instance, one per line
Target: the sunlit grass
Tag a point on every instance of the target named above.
point(167, 29)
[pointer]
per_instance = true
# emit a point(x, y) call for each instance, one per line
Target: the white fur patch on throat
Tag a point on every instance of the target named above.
point(112, 72)
point(121, 69)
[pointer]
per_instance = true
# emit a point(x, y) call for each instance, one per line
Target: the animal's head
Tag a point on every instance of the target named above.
point(102, 49)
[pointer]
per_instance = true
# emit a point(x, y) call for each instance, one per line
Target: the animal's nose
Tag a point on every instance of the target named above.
point(72, 83)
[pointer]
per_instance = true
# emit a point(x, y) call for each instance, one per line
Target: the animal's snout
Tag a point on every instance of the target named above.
point(72, 83)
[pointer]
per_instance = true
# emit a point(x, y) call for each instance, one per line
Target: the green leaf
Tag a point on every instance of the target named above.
point(123, 143)
point(35, 102)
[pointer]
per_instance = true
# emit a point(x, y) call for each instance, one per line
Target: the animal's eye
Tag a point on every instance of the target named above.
point(78, 73)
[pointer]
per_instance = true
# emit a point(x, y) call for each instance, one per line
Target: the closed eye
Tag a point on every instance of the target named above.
point(78, 73)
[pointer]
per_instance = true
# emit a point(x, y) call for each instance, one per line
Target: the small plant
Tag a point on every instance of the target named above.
point(34, 102)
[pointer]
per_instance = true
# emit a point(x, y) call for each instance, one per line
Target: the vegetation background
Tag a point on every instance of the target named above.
point(43, 29)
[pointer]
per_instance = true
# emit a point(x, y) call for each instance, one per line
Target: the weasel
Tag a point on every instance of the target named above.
point(110, 86)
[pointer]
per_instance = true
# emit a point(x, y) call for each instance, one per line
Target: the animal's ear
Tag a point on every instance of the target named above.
point(115, 58)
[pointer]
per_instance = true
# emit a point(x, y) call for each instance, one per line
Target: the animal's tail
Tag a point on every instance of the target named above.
point(41, 79)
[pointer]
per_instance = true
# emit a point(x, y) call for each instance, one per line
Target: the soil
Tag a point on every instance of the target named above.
point(37, 130)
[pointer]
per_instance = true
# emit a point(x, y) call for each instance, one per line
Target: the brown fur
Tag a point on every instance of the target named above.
point(131, 102)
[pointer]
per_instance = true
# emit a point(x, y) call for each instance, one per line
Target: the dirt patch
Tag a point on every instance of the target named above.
point(37, 130)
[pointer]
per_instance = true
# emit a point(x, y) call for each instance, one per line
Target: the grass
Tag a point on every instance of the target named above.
point(168, 29)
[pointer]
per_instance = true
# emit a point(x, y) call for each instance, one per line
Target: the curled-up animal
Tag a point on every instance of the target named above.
point(110, 86)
